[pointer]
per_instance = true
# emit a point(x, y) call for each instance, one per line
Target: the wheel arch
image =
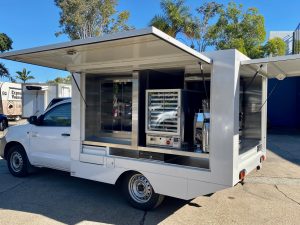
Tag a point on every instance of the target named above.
point(123, 175)
point(9, 145)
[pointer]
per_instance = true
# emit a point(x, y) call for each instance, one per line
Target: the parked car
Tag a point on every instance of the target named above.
point(3, 122)
point(56, 100)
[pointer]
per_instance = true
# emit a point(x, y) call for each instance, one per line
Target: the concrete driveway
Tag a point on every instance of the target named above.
point(269, 196)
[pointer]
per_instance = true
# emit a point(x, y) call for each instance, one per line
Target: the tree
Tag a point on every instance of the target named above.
point(206, 12)
point(24, 75)
point(274, 47)
point(61, 80)
point(5, 45)
point(244, 31)
point(89, 18)
point(176, 18)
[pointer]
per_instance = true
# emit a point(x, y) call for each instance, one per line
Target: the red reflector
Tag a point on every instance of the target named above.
point(242, 174)
point(262, 158)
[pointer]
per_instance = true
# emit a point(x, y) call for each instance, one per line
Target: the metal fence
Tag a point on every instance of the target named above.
point(296, 40)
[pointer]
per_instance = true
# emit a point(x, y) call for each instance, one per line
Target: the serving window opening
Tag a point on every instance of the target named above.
point(172, 109)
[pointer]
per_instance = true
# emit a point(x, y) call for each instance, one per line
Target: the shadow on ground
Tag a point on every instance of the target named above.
point(285, 143)
point(70, 200)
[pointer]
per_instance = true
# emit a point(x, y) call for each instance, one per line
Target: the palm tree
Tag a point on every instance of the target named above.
point(176, 18)
point(3, 71)
point(24, 75)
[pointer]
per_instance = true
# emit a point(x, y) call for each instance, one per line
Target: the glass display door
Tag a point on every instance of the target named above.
point(109, 111)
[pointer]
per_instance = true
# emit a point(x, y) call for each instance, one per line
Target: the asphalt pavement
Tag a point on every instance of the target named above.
point(268, 196)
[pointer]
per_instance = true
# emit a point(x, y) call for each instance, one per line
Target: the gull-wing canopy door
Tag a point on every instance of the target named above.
point(278, 67)
point(147, 48)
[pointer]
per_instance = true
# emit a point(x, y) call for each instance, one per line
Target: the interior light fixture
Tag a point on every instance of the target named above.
point(71, 52)
point(280, 76)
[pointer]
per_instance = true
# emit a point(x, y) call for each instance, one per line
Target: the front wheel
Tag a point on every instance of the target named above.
point(17, 161)
point(139, 192)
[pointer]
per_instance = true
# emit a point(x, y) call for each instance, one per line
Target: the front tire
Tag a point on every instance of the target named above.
point(139, 192)
point(17, 161)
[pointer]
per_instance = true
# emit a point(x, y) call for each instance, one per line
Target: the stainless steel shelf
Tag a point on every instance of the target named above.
point(148, 149)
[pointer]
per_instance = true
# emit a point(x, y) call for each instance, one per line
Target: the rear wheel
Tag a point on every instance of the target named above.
point(139, 192)
point(17, 161)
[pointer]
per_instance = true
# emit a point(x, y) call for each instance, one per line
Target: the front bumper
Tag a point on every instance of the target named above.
point(2, 146)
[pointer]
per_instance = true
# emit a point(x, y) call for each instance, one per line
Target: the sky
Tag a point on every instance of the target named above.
point(33, 23)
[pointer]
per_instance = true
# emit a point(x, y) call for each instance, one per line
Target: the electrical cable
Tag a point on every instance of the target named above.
point(271, 92)
point(253, 78)
point(203, 79)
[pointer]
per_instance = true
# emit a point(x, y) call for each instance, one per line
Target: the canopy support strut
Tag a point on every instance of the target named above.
point(79, 89)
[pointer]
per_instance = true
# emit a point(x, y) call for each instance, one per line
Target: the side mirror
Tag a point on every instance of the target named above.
point(33, 120)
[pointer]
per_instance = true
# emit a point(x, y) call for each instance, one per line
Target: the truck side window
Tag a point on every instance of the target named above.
point(59, 116)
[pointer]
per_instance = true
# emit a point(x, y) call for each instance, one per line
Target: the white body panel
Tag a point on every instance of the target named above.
point(49, 148)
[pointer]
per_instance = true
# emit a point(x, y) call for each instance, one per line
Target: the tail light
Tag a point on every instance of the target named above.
point(242, 174)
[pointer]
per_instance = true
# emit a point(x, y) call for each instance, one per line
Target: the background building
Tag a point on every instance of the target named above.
point(284, 104)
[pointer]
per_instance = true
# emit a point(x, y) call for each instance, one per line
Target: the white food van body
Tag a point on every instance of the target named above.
point(11, 100)
point(37, 96)
point(108, 132)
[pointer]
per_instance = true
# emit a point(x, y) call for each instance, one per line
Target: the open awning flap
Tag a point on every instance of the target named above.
point(136, 49)
point(273, 67)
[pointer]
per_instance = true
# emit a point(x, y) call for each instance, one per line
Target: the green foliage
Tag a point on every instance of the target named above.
point(5, 45)
point(275, 47)
point(89, 18)
point(206, 12)
point(24, 75)
point(3, 71)
point(176, 18)
point(61, 80)
point(244, 31)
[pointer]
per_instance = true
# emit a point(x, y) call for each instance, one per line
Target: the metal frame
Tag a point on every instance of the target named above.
point(147, 149)
point(15, 55)
point(135, 108)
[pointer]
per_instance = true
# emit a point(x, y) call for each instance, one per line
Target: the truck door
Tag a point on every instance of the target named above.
point(50, 139)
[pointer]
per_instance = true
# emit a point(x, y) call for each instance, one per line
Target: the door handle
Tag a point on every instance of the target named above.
point(65, 135)
point(34, 134)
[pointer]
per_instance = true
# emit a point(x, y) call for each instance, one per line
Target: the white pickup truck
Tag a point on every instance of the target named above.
point(43, 142)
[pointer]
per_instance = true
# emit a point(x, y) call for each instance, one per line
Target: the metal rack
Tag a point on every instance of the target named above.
point(164, 118)
point(163, 111)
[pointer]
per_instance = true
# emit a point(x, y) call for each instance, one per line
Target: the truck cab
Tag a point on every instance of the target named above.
point(42, 142)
